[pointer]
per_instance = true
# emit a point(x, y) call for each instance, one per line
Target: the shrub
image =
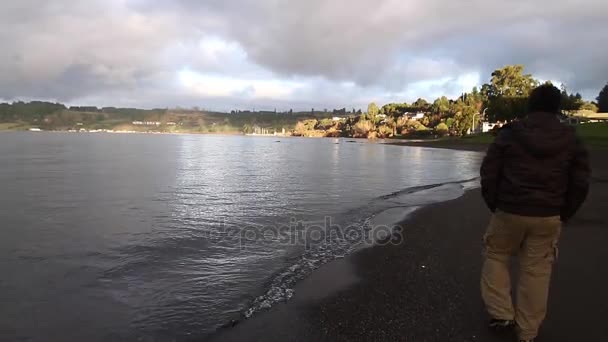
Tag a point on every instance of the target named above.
point(385, 131)
point(303, 128)
point(401, 122)
point(363, 128)
point(325, 124)
point(441, 129)
point(333, 133)
point(449, 122)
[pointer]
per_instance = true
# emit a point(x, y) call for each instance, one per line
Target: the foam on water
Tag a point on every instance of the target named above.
point(384, 211)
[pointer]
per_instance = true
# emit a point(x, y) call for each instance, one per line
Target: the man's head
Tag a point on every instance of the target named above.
point(545, 98)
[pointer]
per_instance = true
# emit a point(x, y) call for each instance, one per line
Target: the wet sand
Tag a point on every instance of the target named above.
point(427, 288)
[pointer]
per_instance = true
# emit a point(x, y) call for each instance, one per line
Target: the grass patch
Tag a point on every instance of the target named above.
point(13, 126)
point(481, 138)
point(594, 134)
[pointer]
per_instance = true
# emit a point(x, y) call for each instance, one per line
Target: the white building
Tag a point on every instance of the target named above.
point(415, 116)
point(487, 126)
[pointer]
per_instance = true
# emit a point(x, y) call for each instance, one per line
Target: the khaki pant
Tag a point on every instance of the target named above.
point(534, 240)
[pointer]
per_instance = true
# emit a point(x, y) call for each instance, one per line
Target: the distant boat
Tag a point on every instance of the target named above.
point(35, 130)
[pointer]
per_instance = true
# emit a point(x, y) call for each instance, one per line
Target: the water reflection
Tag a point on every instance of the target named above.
point(134, 234)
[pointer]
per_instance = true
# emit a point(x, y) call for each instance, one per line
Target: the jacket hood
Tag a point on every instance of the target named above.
point(542, 134)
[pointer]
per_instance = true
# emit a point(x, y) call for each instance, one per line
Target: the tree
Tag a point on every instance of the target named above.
point(589, 106)
point(372, 112)
point(385, 131)
point(571, 102)
point(602, 100)
point(391, 122)
point(363, 128)
point(421, 105)
point(449, 122)
point(441, 105)
point(507, 93)
point(463, 120)
point(476, 96)
point(510, 81)
point(303, 128)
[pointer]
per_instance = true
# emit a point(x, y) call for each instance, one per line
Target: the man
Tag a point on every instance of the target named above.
point(534, 177)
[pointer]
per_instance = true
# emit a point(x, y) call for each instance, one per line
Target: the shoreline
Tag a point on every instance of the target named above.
point(323, 284)
point(442, 144)
point(427, 287)
point(340, 273)
point(327, 280)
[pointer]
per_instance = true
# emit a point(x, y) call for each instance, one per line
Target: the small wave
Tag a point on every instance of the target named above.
point(424, 187)
point(281, 286)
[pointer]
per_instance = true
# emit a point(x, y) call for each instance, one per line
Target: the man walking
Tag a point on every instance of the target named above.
point(534, 177)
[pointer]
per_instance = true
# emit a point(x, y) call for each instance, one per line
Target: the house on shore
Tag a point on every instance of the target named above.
point(414, 116)
point(589, 116)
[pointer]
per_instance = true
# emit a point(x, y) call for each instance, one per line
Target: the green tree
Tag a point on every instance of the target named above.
point(391, 122)
point(602, 100)
point(421, 105)
point(441, 105)
point(571, 102)
point(510, 81)
point(449, 122)
point(463, 120)
point(372, 112)
point(506, 94)
point(476, 96)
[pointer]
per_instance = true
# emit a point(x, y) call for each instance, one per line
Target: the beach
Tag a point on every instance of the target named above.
point(427, 287)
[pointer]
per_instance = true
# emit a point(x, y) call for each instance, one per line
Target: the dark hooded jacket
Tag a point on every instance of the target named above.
point(536, 167)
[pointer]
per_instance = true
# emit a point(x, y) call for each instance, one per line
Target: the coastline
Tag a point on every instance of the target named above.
point(426, 289)
point(443, 144)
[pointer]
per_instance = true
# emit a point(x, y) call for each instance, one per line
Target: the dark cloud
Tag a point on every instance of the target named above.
point(345, 51)
point(373, 41)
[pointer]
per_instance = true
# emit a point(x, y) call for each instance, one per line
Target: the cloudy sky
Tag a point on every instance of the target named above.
point(266, 54)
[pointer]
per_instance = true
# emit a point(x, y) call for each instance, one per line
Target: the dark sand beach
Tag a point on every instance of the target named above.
point(427, 288)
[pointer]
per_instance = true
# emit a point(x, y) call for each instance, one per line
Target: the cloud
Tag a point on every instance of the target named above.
point(284, 53)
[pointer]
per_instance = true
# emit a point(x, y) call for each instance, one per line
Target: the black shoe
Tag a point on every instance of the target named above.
point(501, 325)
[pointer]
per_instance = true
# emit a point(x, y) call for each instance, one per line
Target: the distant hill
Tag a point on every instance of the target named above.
point(56, 116)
